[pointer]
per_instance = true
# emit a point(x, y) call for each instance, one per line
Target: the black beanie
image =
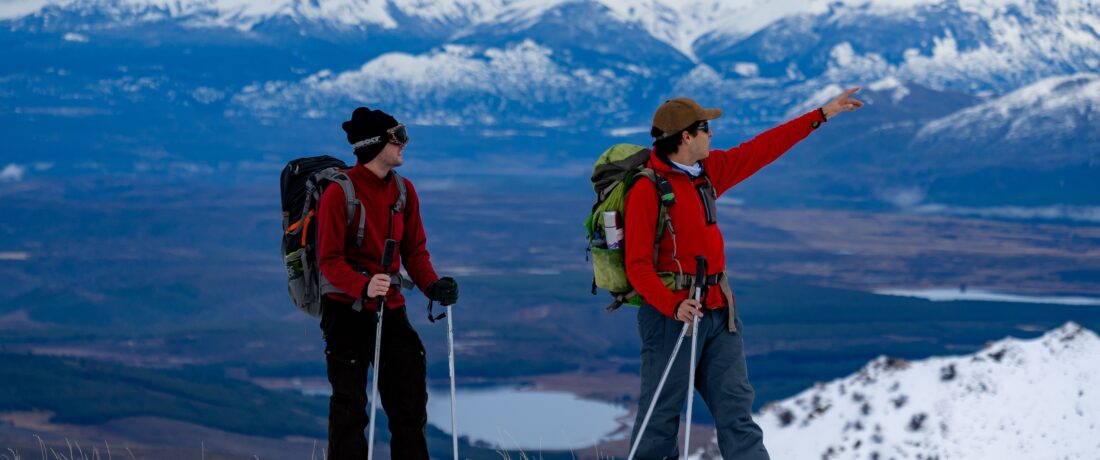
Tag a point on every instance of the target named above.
point(365, 124)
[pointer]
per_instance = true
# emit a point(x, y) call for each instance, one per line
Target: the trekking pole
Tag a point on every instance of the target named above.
point(451, 362)
point(657, 394)
point(387, 259)
point(700, 291)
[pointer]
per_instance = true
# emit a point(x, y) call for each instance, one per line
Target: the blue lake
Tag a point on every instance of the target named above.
point(517, 418)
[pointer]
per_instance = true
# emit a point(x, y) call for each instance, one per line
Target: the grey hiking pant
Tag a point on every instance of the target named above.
point(721, 378)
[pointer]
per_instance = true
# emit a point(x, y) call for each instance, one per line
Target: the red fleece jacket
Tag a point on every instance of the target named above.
point(693, 236)
point(339, 257)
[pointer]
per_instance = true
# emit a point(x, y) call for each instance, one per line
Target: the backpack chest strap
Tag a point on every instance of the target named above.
point(687, 281)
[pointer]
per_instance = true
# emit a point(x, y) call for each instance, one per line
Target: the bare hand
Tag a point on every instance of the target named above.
point(379, 285)
point(688, 309)
point(842, 103)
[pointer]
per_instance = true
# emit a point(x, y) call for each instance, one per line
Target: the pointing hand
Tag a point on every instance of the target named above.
point(843, 103)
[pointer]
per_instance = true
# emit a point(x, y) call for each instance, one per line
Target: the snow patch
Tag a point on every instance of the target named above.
point(13, 172)
point(984, 295)
point(897, 89)
point(75, 38)
point(746, 69)
point(14, 255)
point(843, 54)
point(627, 131)
point(207, 95)
point(11, 9)
point(904, 198)
point(817, 99)
point(1052, 212)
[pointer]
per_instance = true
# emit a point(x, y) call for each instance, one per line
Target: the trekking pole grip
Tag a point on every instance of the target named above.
point(387, 254)
point(700, 276)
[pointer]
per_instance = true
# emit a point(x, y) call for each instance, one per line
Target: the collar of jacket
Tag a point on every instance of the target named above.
point(662, 165)
point(362, 173)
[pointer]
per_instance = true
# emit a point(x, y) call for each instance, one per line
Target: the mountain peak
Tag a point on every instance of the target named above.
point(1070, 335)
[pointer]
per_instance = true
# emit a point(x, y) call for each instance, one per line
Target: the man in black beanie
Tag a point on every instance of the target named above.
point(355, 280)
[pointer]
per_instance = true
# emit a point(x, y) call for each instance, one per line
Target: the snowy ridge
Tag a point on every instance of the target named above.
point(245, 14)
point(522, 77)
point(1027, 41)
point(663, 19)
point(1058, 104)
point(1014, 399)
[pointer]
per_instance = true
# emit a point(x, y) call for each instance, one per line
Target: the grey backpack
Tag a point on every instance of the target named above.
point(302, 183)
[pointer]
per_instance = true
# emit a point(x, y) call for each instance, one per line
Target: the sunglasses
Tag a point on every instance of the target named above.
point(396, 135)
point(703, 126)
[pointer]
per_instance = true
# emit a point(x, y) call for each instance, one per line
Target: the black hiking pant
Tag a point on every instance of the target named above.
point(349, 351)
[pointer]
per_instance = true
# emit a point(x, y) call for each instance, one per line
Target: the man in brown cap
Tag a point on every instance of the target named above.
point(697, 176)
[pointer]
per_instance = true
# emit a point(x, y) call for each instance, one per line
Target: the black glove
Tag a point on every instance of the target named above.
point(444, 291)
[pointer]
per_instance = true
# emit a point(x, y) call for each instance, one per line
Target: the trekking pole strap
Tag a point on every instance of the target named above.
point(396, 279)
point(432, 317)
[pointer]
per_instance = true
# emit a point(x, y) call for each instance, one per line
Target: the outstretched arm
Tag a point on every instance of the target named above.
point(730, 167)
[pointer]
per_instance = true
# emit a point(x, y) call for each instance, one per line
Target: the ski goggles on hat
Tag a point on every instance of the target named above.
point(398, 135)
point(395, 135)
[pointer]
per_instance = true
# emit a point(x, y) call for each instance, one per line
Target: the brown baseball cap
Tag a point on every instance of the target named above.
point(675, 115)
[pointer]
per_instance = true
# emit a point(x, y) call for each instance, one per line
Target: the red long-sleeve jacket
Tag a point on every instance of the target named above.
point(693, 236)
point(341, 260)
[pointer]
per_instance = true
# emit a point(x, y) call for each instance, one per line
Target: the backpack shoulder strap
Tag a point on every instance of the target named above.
point(665, 198)
point(648, 173)
point(664, 187)
point(402, 193)
point(344, 181)
point(353, 203)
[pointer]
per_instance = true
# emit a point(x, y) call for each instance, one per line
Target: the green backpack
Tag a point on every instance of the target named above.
point(615, 172)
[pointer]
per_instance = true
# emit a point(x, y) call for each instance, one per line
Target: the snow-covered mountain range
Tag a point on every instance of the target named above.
point(1061, 25)
point(969, 81)
point(623, 51)
point(1014, 399)
point(985, 47)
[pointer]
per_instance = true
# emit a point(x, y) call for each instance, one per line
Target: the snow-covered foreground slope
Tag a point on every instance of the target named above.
point(1016, 399)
